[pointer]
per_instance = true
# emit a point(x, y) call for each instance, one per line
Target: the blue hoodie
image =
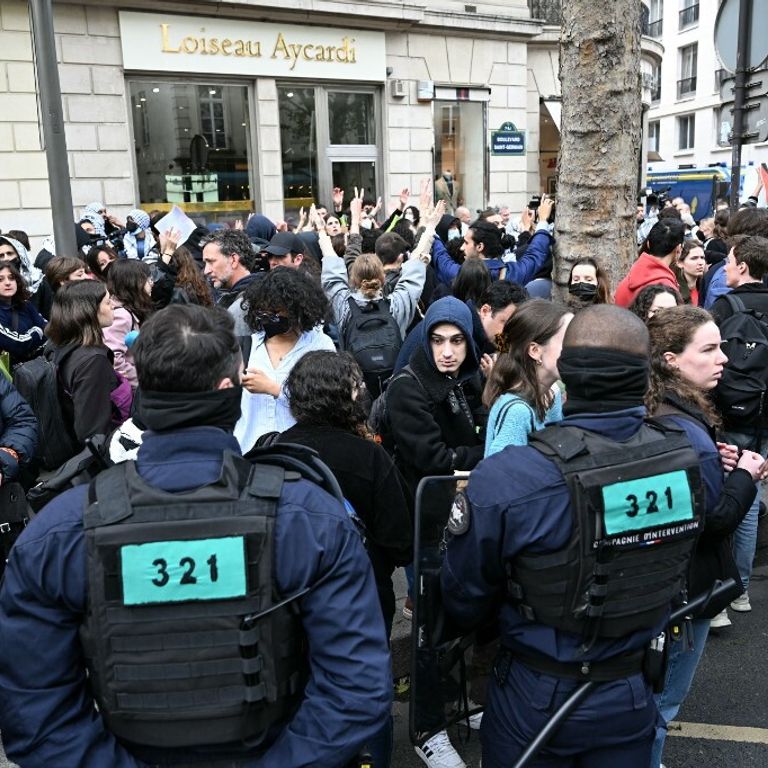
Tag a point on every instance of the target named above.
point(451, 310)
point(260, 229)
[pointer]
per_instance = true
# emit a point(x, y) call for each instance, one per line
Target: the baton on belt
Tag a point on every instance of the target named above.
point(585, 689)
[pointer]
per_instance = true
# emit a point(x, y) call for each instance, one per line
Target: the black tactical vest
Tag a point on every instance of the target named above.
point(185, 640)
point(637, 508)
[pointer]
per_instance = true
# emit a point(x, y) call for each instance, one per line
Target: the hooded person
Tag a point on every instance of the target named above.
point(39, 291)
point(433, 427)
point(448, 228)
point(260, 229)
point(138, 240)
point(48, 249)
point(95, 219)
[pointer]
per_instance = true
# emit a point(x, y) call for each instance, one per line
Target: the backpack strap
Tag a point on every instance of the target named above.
point(561, 443)
point(301, 460)
point(735, 303)
point(502, 417)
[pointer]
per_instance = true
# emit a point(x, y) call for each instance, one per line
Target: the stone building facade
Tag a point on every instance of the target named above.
point(249, 105)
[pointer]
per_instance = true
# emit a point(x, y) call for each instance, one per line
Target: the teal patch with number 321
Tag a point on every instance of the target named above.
point(648, 502)
point(177, 571)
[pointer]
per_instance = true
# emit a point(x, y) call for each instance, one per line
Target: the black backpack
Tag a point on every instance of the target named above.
point(742, 394)
point(372, 337)
point(37, 382)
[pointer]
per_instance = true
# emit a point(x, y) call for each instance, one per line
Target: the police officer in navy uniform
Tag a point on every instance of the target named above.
point(551, 538)
point(190, 608)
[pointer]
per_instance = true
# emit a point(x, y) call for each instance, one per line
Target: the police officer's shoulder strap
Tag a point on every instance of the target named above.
point(564, 443)
point(299, 461)
point(112, 485)
point(569, 447)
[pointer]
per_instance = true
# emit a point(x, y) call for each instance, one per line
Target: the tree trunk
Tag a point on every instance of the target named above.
point(600, 136)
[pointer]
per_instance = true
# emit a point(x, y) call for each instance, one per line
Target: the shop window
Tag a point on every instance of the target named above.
point(459, 154)
point(212, 121)
point(298, 128)
point(328, 139)
point(199, 156)
point(352, 118)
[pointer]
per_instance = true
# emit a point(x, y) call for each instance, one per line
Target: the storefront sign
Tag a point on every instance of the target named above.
point(508, 141)
point(167, 43)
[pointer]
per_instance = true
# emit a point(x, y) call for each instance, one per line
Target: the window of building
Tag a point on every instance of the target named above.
point(653, 136)
point(459, 154)
point(328, 139)
point(199, 156)
point(655, 83)
point(686, 85)
point(686, 131)
point(656, 18)
point(689, 14)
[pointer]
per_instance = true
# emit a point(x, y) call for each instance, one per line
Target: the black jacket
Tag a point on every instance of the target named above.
point(754, 296)
point(18, 430)
point(371, 483)
point(713, 559)
point(87, 378)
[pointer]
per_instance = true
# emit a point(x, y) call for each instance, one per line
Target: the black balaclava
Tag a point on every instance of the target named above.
point(599, 380)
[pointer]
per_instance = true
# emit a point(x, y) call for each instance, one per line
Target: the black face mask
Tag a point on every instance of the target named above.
point(274, 326)
point(583, 291)
point(131, 226)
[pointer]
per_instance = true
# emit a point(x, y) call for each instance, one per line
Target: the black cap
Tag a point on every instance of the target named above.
point(284, 243)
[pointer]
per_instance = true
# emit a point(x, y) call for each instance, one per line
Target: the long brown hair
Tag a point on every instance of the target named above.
point(22, 294)
point(126, 280)
point(537, 321)
point(603, 282)
point(189, 277)
point(60, 268)
point(75, 314)
point(672, 330)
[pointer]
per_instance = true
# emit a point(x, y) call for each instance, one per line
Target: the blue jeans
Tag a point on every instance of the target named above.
point(745, 536)
point(684, 657)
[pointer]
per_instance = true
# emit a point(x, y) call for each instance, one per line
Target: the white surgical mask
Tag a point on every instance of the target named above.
point(453, 234)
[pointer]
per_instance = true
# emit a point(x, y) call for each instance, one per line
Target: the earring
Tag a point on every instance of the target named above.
point(539, 362)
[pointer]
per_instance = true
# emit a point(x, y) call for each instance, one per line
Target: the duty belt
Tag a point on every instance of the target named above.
point(603, 671)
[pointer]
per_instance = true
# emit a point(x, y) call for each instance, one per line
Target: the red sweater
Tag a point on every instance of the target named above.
point(647, 270)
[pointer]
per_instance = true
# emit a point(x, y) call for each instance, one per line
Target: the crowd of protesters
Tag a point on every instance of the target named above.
point(397, 348)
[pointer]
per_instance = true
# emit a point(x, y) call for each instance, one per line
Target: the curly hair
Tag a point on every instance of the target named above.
point(320, 390)
point(645, 298)
point(126, 281)
point(22, 294)
point(289, 292)
point(672, 331)
point(233, 242)
point(537, 320)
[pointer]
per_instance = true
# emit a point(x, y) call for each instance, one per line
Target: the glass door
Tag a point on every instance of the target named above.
point(330, 138)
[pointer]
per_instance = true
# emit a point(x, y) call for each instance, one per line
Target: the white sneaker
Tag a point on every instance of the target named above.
point(438, 752)
point(475, 721)
point(721, 620)
point(742, 604)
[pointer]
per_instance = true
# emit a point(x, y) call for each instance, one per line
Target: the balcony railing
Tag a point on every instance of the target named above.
point(686, 87)
point(689, 16)
point(655, 28)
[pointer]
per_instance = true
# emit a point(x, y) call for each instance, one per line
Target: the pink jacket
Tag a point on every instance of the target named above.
point(114, 338)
